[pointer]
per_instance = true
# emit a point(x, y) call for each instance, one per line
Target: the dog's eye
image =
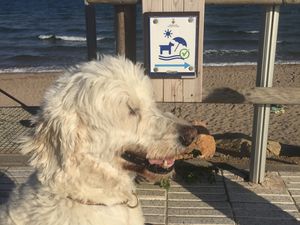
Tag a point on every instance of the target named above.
point(132, 112)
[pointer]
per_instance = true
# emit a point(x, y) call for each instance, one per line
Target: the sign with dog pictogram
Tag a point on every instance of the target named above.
point(173, 39)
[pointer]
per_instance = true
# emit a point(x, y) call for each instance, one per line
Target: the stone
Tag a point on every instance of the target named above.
point(274, 148)
point(241, 147)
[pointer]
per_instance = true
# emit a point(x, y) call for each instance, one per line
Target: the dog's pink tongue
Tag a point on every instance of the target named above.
point(156, 161)
point(162, 162)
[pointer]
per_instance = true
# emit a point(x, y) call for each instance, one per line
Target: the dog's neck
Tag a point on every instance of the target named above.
point(127, 203)
point(95, 183)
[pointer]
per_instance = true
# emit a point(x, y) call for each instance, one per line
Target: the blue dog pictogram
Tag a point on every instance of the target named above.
point(166, 48)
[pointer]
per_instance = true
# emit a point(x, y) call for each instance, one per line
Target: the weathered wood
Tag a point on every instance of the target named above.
point(130, 35)
point(125, 25)
point(258, 95)
point(173, 88)
point(192, 88)
point(158, 84)
point(114, 2)
point(91, 38)
point(214, 2)
point(251, 2)
point(120, 29)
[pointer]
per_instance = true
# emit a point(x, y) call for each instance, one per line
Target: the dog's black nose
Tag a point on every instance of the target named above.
point(186, 134)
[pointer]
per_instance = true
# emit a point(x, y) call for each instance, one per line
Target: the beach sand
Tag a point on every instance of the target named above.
point(220, 118)
point(238, 118)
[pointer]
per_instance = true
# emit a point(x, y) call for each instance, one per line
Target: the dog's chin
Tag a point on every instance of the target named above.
point(150, 169)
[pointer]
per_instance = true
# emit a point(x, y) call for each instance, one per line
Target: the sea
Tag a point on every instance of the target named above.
point(49, 35)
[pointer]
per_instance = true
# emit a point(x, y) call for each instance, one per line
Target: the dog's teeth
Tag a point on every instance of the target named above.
point(165, 163)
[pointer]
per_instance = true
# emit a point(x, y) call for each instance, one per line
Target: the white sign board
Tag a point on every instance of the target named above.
point(173, 43)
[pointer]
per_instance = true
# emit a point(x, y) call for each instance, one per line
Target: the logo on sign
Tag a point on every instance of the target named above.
point(176, 49)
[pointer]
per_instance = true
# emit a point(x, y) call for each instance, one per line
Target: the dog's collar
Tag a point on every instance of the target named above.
point(88, 202)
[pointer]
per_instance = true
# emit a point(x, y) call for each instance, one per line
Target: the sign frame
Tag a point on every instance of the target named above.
point(147, 51)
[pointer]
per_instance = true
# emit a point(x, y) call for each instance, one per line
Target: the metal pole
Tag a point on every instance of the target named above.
point(91, 38)
point(265, 69)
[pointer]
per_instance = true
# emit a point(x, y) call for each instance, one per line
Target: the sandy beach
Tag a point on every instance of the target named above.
point(238, 118)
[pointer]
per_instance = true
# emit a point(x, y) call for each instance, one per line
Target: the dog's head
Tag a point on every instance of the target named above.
point(104, 112)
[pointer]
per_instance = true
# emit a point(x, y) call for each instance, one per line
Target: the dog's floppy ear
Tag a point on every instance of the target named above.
point(52, 144)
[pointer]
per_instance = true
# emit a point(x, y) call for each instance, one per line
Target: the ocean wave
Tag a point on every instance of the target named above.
point(229, 51)
point(243, 31)
point(38, 69)
point(64, 38)
point(252, 31)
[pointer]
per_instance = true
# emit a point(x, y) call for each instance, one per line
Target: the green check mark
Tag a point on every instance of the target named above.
point(184, 53)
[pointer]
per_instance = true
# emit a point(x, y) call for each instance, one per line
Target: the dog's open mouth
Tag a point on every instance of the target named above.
point(159, 166)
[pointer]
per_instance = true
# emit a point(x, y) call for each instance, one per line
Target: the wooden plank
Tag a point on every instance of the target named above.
point(214, 2)
point(258, 95)
point(120, 29)
point(126, 31)
point(91, 38)
point(158, 84)
point(252, 2)
point(114, 2)
point(173, 88)
point(192, 88)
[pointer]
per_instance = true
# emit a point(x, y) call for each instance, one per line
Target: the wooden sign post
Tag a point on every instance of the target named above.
point(177, 89)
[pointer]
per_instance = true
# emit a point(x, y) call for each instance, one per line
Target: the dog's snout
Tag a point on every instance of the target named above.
point(187, 134)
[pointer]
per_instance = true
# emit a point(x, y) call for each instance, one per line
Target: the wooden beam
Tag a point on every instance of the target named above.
point(258, 95)
point(113, 2)
point(252, 2)
point(158, 84)
point(192, 88)
point(91, 38)
point(211, 2)
point(173, 88)
point(125, 25)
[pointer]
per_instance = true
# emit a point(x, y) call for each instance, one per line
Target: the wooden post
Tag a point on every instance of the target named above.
point(265, 69)
point(91, 38)
point(179, 90)
point(158, 84)
point(125, 25)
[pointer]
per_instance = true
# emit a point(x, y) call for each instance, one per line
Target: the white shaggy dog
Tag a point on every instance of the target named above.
point(98, 126)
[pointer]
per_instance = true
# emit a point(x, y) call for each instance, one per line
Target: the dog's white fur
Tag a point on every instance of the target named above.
point(88, 118)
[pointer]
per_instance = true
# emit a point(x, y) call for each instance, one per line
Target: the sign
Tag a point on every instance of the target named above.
point(172, 44)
